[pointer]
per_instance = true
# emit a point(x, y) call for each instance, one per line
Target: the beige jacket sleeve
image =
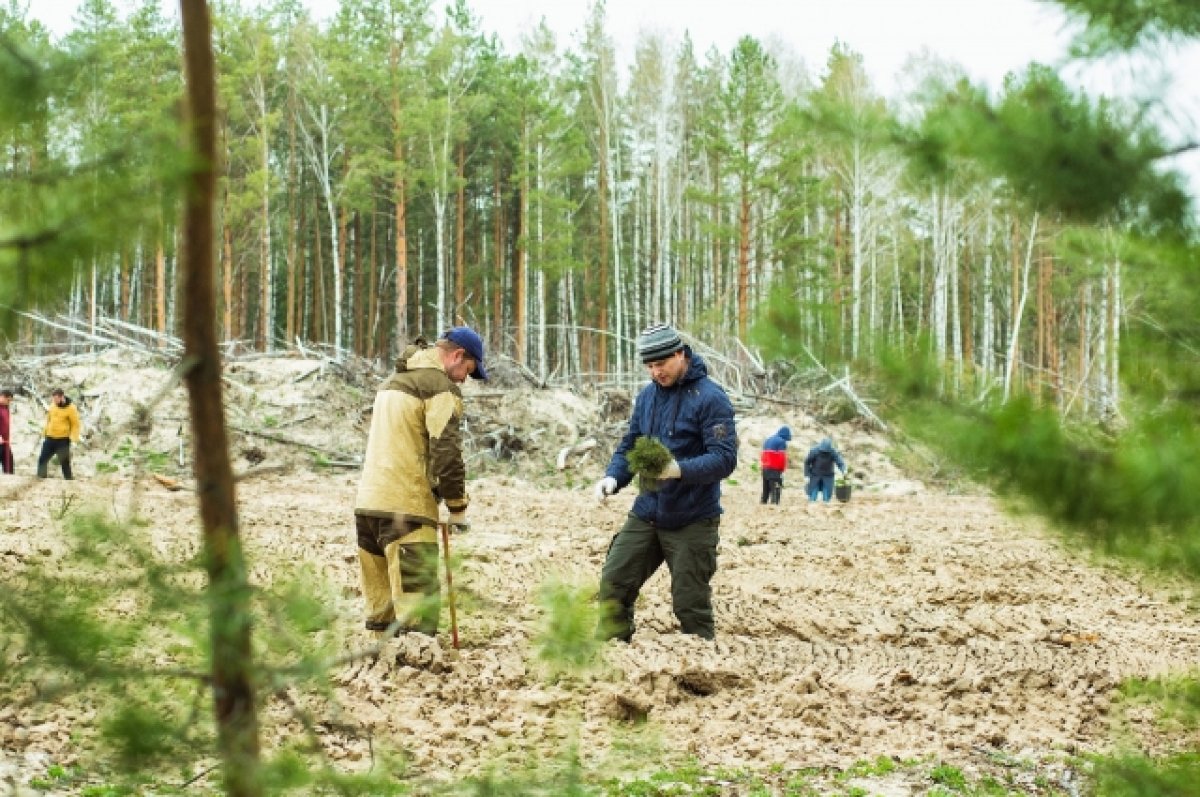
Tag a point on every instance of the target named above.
point(443, 417)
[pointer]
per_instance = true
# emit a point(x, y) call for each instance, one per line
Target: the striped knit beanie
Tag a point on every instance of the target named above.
point(657, 342)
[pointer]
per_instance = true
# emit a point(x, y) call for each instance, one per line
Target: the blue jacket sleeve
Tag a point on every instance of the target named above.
point(841, 463)
point(720, 442)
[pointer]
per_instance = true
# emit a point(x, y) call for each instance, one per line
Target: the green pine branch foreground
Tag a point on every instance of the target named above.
point(1119, 25)
point(1134, 494)
point(1131, 492)
point(120, 634)
point(1090, 160)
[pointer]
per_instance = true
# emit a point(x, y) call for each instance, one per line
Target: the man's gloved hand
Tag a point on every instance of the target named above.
point(671, 471)
point(605, 487)
point(458, 521)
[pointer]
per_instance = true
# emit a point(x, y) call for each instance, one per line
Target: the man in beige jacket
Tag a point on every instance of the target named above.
point(413, 461)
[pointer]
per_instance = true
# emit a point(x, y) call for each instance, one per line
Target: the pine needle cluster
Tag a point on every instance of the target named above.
point(109, 631)
point(648, 457)
point(568, 642)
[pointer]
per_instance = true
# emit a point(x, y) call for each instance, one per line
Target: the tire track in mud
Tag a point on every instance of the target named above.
point(904, 626)
point(913, 626)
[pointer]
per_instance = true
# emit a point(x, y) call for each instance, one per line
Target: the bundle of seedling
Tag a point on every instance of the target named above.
point(646, 460)
point(842, 488)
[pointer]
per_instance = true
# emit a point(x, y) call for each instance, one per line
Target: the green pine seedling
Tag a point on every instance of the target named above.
point(647, 459)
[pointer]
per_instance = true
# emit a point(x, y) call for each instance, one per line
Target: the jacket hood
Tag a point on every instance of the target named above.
point(826, 444)
point(424, 358)
point(697, 369)
point(784, 432)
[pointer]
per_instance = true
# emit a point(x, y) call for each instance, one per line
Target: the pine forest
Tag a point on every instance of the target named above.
point(394, 171)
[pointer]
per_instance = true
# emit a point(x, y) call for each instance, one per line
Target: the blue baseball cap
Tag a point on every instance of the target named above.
point(470, 341)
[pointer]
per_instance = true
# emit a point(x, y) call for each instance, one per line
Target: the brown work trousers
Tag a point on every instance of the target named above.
point(399, 569)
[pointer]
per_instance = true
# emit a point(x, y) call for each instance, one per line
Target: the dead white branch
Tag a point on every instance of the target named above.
point(578, 448)
point(843, 384)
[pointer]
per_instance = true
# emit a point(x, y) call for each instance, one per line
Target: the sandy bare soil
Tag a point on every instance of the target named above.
point(906, 623)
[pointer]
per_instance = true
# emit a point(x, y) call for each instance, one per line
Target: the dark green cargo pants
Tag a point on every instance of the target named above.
point(636, 552)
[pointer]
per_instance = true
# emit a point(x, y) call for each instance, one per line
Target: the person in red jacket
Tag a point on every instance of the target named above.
point(774, 463)
point(6, 455)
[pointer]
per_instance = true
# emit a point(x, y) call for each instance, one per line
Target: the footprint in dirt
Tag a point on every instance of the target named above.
point(415, 650)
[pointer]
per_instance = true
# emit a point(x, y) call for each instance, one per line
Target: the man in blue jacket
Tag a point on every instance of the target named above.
point(677, 523)
point(818, 467)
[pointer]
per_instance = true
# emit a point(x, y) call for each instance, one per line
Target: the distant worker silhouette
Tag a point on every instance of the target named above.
point(774, 462)
point(819, 466)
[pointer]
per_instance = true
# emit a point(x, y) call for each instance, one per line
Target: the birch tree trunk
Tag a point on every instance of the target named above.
point(624, 322)
point(293, 228)
point(266, 310)
point(1115, 304)
point(227, 279)
point(897, 295)
point(372, 349)
point(160, 287)
point(448, 83)
point(460, 270)
point(857, 243)
point(743, 272)
point(521, 277)
point(572, 347)
point(602, 202)
point(988, 358)
point(498, 253)
point(539, 266)
point(1015, 332)
point(94, 298)
point(1085, 348)
point(439, 193)
point(400, 201)
point(956, 318)
point(321, 153)
point(939, 302)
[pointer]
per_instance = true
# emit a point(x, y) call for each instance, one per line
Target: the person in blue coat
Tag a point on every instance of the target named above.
point(773, 463)
point(678, 522)
point(818, 467)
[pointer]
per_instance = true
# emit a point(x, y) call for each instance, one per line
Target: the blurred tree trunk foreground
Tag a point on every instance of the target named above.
point(229, 594)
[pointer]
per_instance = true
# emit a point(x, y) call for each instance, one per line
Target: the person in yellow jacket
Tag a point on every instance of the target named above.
point(413, 461)
point(62, 428)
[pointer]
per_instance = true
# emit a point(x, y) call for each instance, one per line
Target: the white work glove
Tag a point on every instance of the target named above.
point(671, 471)
point(604, 488)
point(458, 521)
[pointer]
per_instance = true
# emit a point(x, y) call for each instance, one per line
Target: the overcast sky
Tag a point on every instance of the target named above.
point(988, 38)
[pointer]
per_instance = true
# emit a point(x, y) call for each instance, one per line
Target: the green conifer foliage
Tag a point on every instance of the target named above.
point(1090, 160)
point(647, 459)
